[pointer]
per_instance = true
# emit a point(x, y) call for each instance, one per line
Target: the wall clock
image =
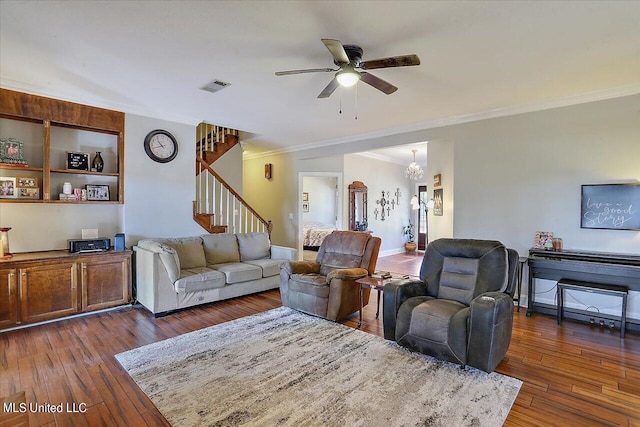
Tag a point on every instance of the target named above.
point(161, 146)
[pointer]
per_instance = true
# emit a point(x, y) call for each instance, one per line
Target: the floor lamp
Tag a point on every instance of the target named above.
point(416, 203)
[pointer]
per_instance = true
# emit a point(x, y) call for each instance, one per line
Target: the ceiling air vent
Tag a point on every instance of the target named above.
point(215, 86)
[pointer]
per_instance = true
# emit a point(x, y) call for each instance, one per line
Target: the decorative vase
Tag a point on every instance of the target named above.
point(98, 163)
point(410, 246)
point(66, 188)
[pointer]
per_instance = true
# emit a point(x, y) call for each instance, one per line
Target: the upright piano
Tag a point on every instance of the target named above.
point(597, 267)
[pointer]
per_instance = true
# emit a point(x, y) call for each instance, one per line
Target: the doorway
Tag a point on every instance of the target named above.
point(320, 204)
point(423, 224)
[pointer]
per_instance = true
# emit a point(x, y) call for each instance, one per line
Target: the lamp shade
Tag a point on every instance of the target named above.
point(347, 77)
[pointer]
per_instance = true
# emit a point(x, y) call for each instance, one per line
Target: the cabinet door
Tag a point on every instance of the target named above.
point(105, 282)
point(48, 291)
point(8, 305)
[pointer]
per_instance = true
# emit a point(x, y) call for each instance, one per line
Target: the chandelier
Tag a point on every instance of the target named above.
point(414, 171)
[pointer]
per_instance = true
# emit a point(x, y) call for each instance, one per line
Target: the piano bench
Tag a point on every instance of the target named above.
point(596, 288)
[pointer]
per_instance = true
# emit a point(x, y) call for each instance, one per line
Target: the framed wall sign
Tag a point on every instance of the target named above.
point(610, 206)
point(78, 161)
point(437, 180)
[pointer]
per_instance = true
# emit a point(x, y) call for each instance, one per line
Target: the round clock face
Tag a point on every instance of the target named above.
point(161, 146)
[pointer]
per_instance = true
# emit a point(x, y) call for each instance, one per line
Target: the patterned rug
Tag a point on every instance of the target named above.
point(285, 368)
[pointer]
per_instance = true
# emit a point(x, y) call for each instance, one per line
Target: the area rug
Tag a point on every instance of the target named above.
point(285, 368)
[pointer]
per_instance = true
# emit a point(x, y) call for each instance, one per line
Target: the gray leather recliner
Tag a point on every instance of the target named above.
point(327, 287)
point(461, 309)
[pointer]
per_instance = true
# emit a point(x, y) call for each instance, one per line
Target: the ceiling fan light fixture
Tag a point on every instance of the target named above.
point(347, 77)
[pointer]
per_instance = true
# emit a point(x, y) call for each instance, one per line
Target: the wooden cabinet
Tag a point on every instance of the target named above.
point(8, 292)
point(38, 286)
point(48, 130)
point(105, 282)
point(48, 291)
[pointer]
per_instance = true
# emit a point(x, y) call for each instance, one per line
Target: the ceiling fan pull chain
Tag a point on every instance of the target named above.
point(340, 100)
point(356, 102)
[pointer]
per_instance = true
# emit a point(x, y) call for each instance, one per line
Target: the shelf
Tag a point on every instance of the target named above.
point(59, 127)
point(81, 172)
point(8, 166)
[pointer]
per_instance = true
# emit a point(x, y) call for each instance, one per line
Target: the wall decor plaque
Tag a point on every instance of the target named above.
point(77, 161)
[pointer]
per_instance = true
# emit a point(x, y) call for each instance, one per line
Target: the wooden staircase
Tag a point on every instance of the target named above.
point(218, 208)
point(213, 141)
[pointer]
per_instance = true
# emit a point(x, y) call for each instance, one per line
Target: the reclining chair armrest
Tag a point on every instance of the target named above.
point(282, 252)
point(300, 267)
point(395, 293)
point(347, 274)
point(489, 333)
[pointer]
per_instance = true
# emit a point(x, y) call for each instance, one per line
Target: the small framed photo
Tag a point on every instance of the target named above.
point(305, 207)
point(305, 197)
point(97, 192)
point(437, 180)
point(8, 188)
point(78, 161)
point(28, 193)
point(26, 182)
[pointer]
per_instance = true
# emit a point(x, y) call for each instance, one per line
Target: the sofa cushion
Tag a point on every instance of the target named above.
point(270, 267)
point(254, 246)
point(189, 249)
point(199, 279)
point(431, 319)
point(220, 248)
point(237, 272)
point(168, 256)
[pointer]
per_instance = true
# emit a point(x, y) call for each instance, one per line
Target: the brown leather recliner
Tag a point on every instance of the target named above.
point(327, 287)
point(461, 309)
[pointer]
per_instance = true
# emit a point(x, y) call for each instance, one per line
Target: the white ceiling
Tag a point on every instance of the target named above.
point(479, 59)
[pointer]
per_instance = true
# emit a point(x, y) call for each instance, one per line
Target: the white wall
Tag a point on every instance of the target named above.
point(381, 176)
point(322, 199)
point(517, 175)
point(440, 161)
point(158, 196)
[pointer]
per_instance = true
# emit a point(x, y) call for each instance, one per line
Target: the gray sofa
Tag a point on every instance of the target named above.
point(182, 272)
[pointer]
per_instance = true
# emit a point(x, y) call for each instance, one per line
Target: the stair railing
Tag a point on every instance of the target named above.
point(215, 196)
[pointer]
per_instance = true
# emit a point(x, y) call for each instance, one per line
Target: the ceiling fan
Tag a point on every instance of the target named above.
point(349, 58)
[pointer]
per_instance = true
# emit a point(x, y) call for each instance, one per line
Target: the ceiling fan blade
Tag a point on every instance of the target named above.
point(337, 50)
point(331, 87)
point(378, 83)
point(309, 70)
point(393, 61)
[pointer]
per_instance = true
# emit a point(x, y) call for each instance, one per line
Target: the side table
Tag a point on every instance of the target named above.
point(377, 283)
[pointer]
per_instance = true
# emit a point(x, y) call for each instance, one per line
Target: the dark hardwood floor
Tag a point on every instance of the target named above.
point(574, 374)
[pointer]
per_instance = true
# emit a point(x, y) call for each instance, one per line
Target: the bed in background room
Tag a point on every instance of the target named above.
point(314, 233)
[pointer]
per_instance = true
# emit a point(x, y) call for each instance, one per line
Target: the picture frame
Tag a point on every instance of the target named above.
point(27, 182)
point(28, 193)
point(610, 206)
point(438, 202)
point(97, 192)
point(541, 238)
point(305, 207)
point(268, 168)
point(305, 197)
point(11, 151)
point(437, 180)
point(8, 188)
point(77, 161)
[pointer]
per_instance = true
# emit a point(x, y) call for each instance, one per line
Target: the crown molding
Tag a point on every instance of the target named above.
point(600, 95)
